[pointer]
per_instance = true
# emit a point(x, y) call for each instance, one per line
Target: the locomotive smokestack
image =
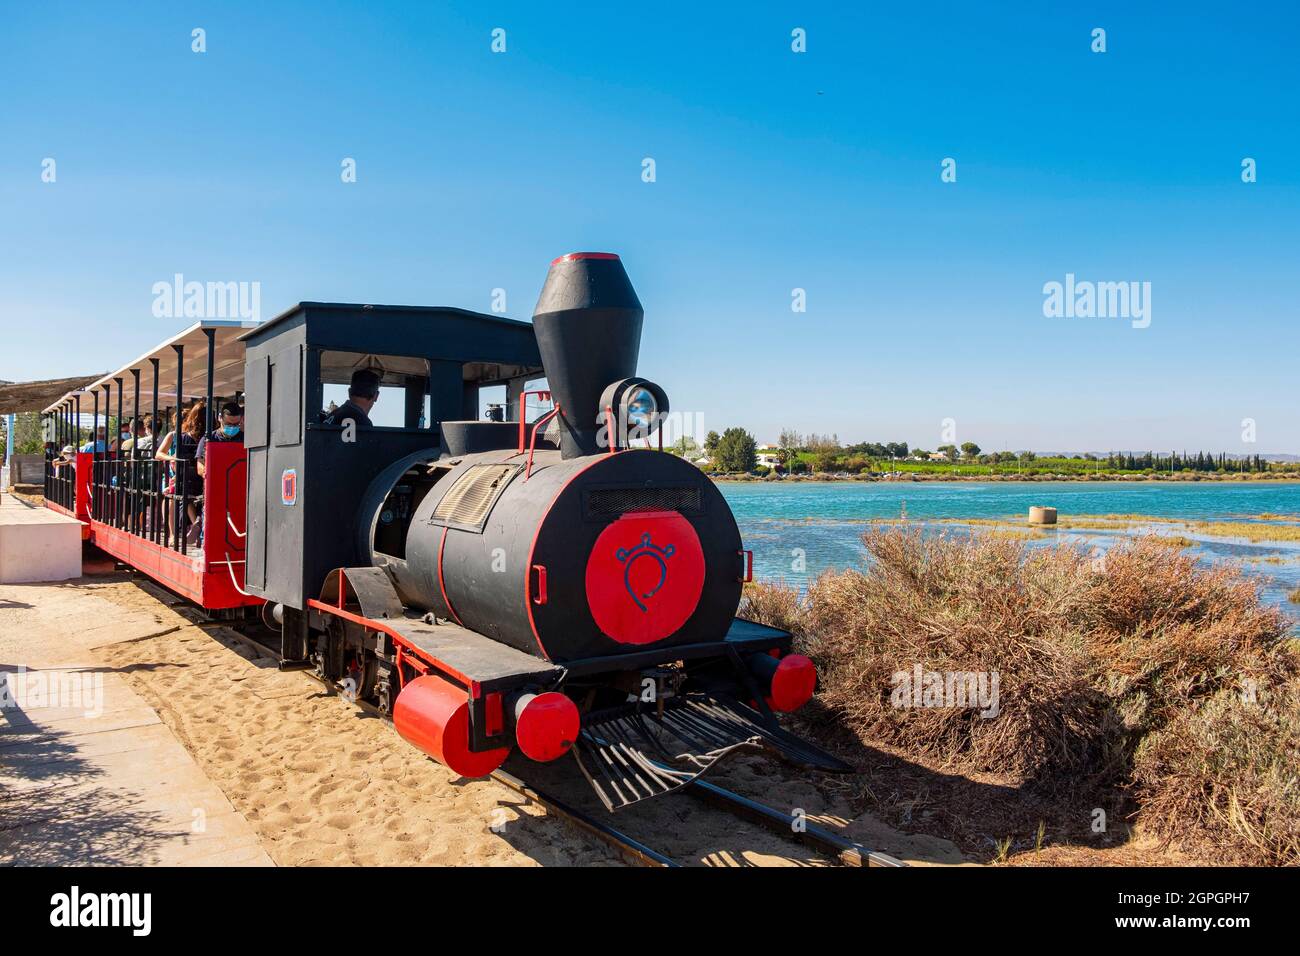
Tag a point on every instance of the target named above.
point(588, 324)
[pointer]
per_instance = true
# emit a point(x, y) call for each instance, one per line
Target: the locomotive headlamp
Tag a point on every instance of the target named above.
point(642, 409)
point(632, 408)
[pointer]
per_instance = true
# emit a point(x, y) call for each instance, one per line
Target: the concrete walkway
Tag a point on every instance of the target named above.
point(89, 773)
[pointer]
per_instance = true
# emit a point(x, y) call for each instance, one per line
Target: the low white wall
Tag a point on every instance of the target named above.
point(37, 547)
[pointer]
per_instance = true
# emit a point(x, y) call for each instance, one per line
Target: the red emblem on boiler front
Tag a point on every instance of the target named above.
point(646, 549)
point(645, 575)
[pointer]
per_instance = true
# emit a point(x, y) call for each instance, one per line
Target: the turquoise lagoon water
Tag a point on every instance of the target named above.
point(823, 521)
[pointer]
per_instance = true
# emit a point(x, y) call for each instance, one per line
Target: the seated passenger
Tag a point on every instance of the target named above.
point(140, 436)
point(98, 445)
point(231, 430)
point(362, 395)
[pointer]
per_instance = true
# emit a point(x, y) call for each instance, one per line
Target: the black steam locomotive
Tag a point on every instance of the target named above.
point(555, 586)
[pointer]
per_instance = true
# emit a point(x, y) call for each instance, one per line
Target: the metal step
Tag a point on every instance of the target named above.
point(638, 751)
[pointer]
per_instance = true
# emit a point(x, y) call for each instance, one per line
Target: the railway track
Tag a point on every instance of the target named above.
point(835, 848)
point(797, 830)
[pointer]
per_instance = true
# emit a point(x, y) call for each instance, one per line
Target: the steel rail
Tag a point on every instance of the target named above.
point(630, 848)
point(789, 825)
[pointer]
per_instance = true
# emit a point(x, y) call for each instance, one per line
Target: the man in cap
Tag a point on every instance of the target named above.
point(362, 395)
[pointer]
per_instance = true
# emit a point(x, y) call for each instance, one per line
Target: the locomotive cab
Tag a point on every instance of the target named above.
point(307, 479)
point(552, 587)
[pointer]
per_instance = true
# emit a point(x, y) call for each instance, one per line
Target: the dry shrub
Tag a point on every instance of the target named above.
point(1173, 634)
point(1147, 585)
point(1119, 671)
point(1224, 779)
point(773, 603)
point(951, 603)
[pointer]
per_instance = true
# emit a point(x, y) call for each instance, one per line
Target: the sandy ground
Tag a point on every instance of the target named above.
point(323, 783)
point(89, 773)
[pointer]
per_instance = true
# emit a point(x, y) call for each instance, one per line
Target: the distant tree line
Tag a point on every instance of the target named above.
point(735, 450)
point(1202, 461)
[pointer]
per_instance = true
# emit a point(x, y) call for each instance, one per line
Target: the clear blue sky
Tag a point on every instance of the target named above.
point(775, 170)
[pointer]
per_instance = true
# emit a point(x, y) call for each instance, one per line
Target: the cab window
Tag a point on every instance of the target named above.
point(403, 386)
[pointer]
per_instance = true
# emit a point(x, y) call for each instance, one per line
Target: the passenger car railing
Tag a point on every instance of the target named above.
point(61, 481)
point(151, 499)
point(138, 495)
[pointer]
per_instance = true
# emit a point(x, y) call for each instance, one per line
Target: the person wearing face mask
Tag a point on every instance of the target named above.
point(123, 435)
point(231, 429)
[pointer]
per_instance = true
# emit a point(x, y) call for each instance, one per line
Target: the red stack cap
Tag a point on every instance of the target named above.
point(570, 257)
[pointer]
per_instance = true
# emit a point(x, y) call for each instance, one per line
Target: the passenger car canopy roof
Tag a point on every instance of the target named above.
point(227, 375)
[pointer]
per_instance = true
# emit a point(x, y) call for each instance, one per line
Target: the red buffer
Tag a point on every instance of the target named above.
point(433, 715)
point(788, 682)
point(546, 725)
